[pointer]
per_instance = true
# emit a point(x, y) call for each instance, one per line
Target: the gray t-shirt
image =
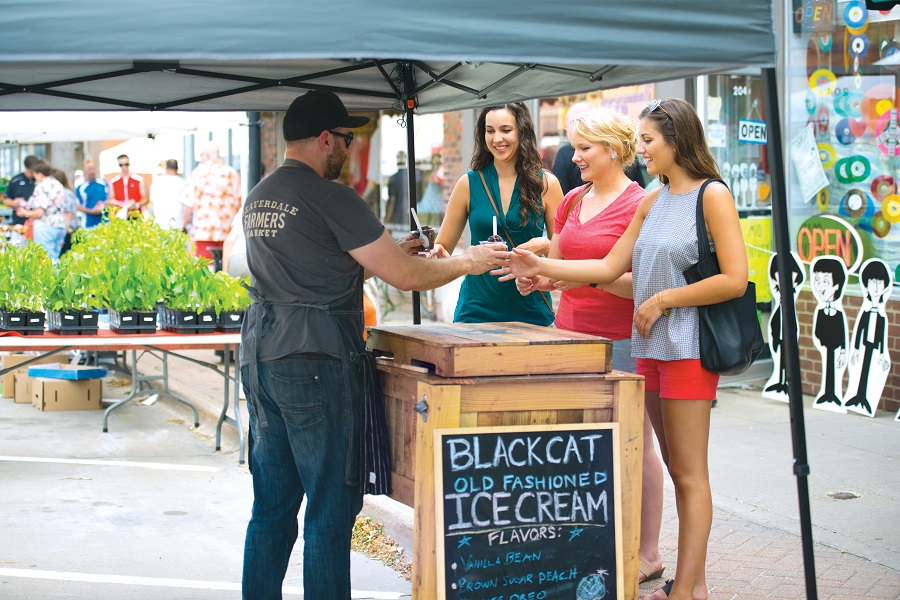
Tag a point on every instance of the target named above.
point(299, 229)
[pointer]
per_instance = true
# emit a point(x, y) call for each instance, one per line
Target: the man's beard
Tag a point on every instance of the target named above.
point(334, 164)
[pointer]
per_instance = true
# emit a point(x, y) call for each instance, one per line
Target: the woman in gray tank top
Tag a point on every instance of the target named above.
point(659, 244)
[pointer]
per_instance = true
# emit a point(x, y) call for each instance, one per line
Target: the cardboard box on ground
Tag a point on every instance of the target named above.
point(61, 394)
point(11, 360)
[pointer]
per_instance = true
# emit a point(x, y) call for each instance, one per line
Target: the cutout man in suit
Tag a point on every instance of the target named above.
point(869, 346)
point(776, 387)
point(829, 274)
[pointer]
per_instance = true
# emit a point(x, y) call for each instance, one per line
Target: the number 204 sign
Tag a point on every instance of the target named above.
point(529, 513)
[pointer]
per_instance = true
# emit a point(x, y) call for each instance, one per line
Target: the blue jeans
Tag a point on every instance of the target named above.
point(51, 238)
point(301, 452)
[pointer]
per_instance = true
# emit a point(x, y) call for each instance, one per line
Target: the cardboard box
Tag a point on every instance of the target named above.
point(11, 360)
point(59, 394)
point(23, 389)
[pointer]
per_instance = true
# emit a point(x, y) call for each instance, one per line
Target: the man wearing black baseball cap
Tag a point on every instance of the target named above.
point(310, 243)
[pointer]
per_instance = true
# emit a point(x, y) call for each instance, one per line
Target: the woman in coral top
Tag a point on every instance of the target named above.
point(589, 221)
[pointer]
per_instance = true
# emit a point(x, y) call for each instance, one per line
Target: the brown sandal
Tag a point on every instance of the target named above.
point(647, 574)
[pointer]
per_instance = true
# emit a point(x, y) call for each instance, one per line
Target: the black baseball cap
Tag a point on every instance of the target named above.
point(314, 112)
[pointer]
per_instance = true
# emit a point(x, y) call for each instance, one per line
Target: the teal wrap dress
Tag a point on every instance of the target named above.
point(482, 298)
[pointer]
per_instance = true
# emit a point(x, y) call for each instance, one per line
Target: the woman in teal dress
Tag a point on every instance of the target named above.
point(525, 196)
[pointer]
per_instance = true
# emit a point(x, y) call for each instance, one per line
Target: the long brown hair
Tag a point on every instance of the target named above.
point(680, 126)
point(528, 158)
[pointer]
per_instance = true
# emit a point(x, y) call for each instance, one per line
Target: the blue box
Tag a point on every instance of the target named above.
point(68, 372)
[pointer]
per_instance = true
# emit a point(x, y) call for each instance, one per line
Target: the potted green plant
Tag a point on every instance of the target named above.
point(26, 276)
point(230, 301)
point(127, 257)
point(73, 294)
point(187, 307)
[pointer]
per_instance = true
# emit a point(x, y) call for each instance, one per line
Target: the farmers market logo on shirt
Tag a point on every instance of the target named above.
point(265, 218)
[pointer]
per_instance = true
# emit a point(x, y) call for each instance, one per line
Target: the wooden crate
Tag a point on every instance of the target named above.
point(481, 349)
point(512, 398)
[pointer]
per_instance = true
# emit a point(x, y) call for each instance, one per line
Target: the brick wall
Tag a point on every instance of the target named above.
point(810, 358)
point(454, 168)
point(269, 137)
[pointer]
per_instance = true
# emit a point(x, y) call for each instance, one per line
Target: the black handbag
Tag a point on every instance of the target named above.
point(730, 335)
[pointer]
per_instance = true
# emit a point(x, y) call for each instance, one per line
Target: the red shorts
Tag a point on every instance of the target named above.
point(202, 248)
point(678, 379)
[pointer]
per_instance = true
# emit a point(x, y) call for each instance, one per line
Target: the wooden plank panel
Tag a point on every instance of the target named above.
point(628, 412)
point(461, 350)
point(443, 413)
point(468, 419)
point(566, 417)
point(536, 394)
point(518, 417)
point(490, 419)
point(530, 359)
point(403, 489)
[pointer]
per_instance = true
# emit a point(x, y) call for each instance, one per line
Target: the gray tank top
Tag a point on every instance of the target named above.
point(666, 246)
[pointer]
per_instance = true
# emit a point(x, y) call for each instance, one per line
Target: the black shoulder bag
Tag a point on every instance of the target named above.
point(730, 335)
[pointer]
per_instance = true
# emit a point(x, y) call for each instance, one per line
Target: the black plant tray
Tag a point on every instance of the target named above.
point(186, 321)
point(230, 320)
point(24, 322)
point(132, 321)
point(73, 322)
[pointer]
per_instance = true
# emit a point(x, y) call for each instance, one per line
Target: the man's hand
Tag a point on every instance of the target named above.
point(485, 257)
point(410, 243)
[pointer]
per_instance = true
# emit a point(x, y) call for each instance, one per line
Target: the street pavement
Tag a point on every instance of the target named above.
point(137, 530)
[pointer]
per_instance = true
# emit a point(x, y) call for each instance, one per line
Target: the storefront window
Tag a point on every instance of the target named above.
point(736, 134)
point(843, 63)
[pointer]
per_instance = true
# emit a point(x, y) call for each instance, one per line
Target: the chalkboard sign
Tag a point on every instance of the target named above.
point(528, 513)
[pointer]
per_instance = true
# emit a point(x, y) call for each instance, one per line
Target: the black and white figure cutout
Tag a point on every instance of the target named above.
point(776, 387)
point(828, 276)
point(870, 361)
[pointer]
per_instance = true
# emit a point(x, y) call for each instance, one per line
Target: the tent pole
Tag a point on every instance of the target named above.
point(254, 159)
point(410, 102)
point(788, 320)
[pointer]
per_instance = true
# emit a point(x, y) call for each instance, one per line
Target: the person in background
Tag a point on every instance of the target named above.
point(92, 195)
point(211, 198)
point(127, 190)
point(659, 244)
point(563, 167)
point(520, 194)
point(166, 197)
point(70, 205)
point(588, 223)
point(310, 243)
point(430, 206)
point(17, 193)
point(47, 207)
point(396, 212)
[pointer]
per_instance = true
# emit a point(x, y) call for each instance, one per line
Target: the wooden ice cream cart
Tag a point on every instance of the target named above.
point(438, 376)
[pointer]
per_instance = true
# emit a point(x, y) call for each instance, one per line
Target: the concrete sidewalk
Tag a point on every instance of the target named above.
point(755, 547)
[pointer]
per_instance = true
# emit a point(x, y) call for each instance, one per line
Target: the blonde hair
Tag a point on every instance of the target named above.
point(615, 131)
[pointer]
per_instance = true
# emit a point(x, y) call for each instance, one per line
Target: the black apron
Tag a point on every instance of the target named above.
point(368, 464)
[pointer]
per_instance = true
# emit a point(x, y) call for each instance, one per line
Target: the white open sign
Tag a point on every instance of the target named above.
point(752, 132)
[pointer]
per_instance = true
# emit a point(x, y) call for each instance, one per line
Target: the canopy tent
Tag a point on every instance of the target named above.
point(215, 55)
point(71, 126)
point(225, 56)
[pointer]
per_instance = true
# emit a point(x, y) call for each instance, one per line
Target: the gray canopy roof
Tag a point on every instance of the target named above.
point(222, 55)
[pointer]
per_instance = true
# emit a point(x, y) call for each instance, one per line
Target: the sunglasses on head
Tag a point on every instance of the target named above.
point(657, 104)
point(348, 137)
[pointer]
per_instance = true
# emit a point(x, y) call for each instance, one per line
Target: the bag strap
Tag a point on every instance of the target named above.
point(702, 236)
point(577, 200)
point(508, 236)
